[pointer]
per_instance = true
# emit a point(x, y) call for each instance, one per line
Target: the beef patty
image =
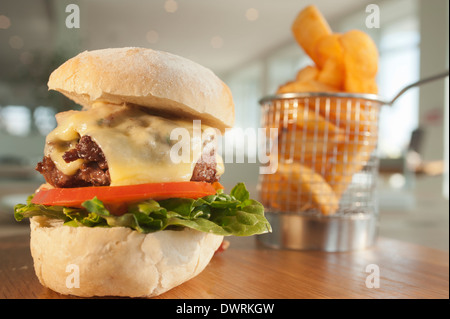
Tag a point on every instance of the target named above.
point(94, 171)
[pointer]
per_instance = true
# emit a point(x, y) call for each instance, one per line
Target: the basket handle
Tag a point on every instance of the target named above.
point(418, 83)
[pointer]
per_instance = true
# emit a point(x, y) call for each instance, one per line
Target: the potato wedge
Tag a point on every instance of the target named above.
point(305, 86)
point(332, 75)
point(361, 62)
point(330, 48)
point(308, 73)
point(348, 160)
point(296, 188)
point(308, 28)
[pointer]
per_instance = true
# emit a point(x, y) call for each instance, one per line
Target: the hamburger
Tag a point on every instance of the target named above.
point(116, 207)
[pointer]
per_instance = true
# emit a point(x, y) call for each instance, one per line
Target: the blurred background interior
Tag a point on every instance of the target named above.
point(248, 44)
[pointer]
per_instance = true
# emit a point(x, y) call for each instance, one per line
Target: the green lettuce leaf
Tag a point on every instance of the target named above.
point(221, 214)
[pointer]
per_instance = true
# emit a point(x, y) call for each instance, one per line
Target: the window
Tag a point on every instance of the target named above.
point(15, 120)
point(246, 87)
point(398, 67)
point(44, 119)
point(284, 65)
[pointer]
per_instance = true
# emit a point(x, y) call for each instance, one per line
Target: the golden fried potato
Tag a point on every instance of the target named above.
point(313, 149)
point(305, 135)
point(349, 159)
point(308, 28)
point(296, 188)
point(309, 114)
point(332, 74)
point(305, 86)
point(350, 156)
point(335, 152)
point(361, 62)
point(352, 115)
point(354, 83)
point(330, 48)
point(308, 73)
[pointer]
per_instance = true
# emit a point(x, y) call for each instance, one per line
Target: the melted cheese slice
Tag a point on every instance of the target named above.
point(137, 146)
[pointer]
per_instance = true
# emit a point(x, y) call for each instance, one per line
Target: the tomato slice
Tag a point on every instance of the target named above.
point(74, 197)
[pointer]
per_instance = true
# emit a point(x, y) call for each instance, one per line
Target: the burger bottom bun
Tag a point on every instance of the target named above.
point(117, 261)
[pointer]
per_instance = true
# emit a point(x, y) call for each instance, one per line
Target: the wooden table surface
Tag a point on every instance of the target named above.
point(249, 270)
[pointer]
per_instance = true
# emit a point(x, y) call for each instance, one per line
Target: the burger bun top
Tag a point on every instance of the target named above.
point(162, 82)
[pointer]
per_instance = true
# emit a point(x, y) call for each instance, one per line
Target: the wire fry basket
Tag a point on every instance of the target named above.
point(322, 191)
point(322, 194)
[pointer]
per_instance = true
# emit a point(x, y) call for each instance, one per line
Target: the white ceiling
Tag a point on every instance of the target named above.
point(188, 31)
